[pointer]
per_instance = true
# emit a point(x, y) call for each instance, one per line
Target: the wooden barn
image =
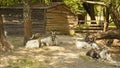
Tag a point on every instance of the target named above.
point(45, 19)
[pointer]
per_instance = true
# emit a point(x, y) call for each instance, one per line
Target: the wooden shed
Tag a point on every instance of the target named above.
point(60, 18)
point(45, 19)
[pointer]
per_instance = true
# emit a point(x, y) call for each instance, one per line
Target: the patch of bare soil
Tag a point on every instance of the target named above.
point(65, 55)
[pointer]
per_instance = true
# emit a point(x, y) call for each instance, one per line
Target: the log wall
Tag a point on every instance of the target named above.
point(59, 18)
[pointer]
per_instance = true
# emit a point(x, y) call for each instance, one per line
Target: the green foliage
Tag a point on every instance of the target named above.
point(13, 2)
point(9, 2)
point(75, 5)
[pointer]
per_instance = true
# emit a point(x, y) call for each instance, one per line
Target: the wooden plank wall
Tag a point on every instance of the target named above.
point(59, 19)
point(13, 20)
point(57, 22)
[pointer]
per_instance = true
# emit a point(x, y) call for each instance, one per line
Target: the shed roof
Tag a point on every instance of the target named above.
point(38, 7)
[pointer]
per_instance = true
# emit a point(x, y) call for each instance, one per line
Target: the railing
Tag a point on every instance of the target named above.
point(93, 28)
point(90, 20)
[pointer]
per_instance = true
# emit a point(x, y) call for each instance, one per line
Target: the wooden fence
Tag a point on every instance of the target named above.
point(92, 28)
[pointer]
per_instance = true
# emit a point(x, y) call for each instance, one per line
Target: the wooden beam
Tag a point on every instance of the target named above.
point(95, 2)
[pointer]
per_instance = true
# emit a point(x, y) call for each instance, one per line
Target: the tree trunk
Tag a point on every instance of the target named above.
point(4, 44)
point(105, 26)
point(115, 13)
point(90, 10)
point(116, 17)
point(27, 22)
point(110, 34)
point(106, 18)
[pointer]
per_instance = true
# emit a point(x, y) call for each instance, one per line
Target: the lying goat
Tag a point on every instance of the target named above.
point(34, 41)
point(93, 53)
point(105, 54)
point(81, 43)
point(50, 40)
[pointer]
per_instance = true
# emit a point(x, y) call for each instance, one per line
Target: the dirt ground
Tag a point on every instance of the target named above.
point(65, 55)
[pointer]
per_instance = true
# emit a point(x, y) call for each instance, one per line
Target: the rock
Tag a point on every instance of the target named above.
point(116, 42)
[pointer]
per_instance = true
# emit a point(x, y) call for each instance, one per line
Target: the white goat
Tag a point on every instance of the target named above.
point(50, 40)
point(94, 46)
point(34, 41)
point(32, 44)
point(80, 43)
point(46, 41)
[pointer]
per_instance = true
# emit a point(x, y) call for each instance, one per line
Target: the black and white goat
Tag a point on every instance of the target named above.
point(105, 54)
point(94, 53)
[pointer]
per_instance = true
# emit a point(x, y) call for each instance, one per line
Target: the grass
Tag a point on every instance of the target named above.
point(26, 62)
point(86, 58)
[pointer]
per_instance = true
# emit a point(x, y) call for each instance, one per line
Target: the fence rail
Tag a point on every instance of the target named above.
point(93, 28)
point(90, 20)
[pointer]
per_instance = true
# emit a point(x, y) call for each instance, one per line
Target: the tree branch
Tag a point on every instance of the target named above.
point(94, 2)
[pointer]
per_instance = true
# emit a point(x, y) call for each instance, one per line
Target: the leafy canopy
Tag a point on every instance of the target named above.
point(13, 2)
point(76, 5)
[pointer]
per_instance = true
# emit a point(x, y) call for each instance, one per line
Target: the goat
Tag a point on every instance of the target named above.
point(80, 43)
point(94, 46)
point(104, 54)
point(34, 41)
point(35, 36)
point(50, 40)
point(93, 53)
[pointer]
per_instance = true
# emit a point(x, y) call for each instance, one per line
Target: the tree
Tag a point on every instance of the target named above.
point(27, 20)
point(112, 9)
point(75, 5)
point(115, 12)
point(90, 10)
point(5, 45)
point(27, 17)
